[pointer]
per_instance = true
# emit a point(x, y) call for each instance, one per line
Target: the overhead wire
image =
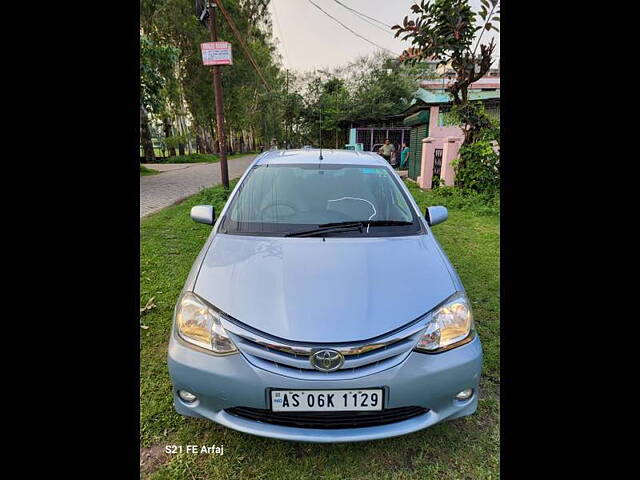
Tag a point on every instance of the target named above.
point(281, 35)
point(349, 29)
point(364, 17)
point(238, 36)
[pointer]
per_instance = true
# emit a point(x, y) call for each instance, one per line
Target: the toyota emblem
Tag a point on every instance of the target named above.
point(327, 360)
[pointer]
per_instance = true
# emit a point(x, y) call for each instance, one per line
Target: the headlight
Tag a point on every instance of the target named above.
point(199, 324)
point(450, 323)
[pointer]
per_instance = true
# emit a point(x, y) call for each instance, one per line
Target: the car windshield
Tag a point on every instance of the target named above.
point(294, 198)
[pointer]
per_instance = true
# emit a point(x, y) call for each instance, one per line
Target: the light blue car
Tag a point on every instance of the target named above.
point(322, 308)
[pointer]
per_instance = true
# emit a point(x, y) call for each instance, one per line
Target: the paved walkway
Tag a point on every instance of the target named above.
point(179, 181)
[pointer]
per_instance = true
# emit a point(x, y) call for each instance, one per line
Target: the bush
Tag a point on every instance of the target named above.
point(478, 164)
point(478, 167)
point(474, 117)
point(193, 158)
point(175, 141)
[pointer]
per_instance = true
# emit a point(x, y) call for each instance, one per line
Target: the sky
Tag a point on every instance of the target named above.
point(309, 39)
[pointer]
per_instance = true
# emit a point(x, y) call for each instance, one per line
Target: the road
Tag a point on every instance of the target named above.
point(179, 181)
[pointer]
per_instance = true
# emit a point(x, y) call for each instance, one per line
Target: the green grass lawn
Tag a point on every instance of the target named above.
point(199, 158)
point(144, 171)
point(466, 448)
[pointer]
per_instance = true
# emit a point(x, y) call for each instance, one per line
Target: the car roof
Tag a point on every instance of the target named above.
point(329, 156)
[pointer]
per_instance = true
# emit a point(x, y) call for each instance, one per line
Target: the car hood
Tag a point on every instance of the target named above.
point(324, 291)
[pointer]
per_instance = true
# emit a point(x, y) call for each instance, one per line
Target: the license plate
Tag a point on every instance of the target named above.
point(326, 400)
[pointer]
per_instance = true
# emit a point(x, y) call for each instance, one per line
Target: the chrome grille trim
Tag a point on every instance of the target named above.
point(341, 374)
point(256, 350)
point(292, 358)
point(306, 349)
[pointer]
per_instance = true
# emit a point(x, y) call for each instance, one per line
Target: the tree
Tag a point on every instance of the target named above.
point(156, 67)
point(445, 31)
point(382, 88)
point(172, 22)
point(370, 88)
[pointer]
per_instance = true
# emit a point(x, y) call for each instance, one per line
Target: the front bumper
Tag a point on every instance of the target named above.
point(423, 380)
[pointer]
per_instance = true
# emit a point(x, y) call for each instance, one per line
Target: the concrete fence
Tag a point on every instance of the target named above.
point(448, 139)
point(450, 147)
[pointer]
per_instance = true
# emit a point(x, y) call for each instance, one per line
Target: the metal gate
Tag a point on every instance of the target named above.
point(415, 150)
point(437, 162)
point(369, 137)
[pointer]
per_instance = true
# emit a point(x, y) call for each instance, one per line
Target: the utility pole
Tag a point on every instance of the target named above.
point(217, 88)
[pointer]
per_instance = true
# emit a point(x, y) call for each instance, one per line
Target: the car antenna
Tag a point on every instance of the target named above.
point(320, 130)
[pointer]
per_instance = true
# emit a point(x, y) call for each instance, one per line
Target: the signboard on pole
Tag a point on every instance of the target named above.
point(216, 53)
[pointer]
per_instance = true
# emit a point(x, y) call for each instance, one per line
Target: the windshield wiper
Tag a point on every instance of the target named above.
point(349, 226)
point(380, 223)
point(387, 223)
point(329, 228)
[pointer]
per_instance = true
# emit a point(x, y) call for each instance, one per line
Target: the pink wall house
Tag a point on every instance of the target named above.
point(442, 143)
point(448, 139)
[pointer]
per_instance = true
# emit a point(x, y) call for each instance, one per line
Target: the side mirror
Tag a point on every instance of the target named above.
point(436, 215)
point(203, 214)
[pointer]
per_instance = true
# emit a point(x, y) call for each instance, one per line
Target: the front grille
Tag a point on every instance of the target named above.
point(328, 420)
point(291, 358)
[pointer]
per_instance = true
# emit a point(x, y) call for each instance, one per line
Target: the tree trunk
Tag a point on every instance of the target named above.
point(181, 132)
point(169, 133)
point(200, 141)
point(145, 136)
